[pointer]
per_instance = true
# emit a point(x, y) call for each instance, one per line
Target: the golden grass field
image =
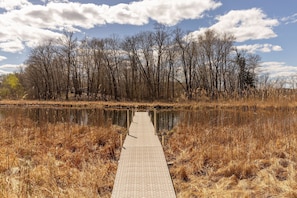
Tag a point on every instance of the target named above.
point(254, 158)
point(57, 160)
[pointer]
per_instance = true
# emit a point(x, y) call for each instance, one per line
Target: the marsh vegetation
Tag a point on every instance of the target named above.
point(51, 158)
point(234, 152)
point(213, 150)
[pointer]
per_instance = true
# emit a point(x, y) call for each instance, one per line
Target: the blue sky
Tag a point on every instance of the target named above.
point(265, 27)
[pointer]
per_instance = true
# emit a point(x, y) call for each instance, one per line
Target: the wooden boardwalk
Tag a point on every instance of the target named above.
point(142, 170)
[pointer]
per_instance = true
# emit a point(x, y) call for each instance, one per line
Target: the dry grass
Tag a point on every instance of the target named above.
point(61, 160)
point(179, 105)
point(257, 158)
point(252, 155)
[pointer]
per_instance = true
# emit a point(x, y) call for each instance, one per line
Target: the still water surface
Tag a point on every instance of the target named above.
point(93, 117)
point(166, 120)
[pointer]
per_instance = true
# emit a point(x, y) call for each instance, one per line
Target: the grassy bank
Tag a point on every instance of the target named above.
point(254, 159)
point(181, 105)
point(250, 151)
point(61, 160)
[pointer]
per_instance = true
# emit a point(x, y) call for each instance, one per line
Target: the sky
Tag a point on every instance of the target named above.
point(264, 27)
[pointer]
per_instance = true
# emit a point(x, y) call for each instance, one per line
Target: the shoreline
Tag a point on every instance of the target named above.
point(148, 106)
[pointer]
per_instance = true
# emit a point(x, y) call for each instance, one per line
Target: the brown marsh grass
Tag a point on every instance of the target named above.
point(252, 154)
point(179, 105)
point(57, 160)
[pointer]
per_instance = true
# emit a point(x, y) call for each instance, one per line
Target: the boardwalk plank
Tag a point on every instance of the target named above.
point(142, 170)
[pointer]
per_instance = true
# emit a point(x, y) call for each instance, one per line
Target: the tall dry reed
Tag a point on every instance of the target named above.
point(56, 160)
point(252, 157)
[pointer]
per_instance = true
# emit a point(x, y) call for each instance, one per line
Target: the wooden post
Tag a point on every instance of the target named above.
point(128, 121)
point(155, 120)
point(163, 140)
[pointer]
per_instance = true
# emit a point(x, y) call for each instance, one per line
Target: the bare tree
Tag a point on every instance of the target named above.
point(151, 65)
point(186, 48)
point(133, 81)
point(68, 55)
point(113, 59)
point(214, 53)
point(40, 67)
point(95, 73)
point(145, 60)
point(161, 37)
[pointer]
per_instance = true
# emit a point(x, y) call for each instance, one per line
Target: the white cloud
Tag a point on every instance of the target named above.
point(265, 48)
point(55, 16)
point(33, 24)
point(13, 4)
point(251, 24)
point(166, 12)
point(25, 24)
point(9, 68)
point(171, 12)
point(290, 19)
point(277, 69)
point(12, 46)
point(55, 1)
point(2, 58)
point(2, 72)
point(127, 14)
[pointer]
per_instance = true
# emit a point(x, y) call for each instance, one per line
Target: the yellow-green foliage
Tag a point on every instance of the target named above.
point(11, 87)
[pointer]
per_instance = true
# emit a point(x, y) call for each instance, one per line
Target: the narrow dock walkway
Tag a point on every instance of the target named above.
point(142, 170)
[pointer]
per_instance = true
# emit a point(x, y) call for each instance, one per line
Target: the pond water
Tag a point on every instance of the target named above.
point(93, 117)
point(166, 120)
point(216, 117)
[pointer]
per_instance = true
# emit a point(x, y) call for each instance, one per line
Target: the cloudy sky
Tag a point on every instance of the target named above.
point(265, 27)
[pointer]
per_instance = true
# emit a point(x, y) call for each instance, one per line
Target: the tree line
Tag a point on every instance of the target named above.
point(163, 65)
